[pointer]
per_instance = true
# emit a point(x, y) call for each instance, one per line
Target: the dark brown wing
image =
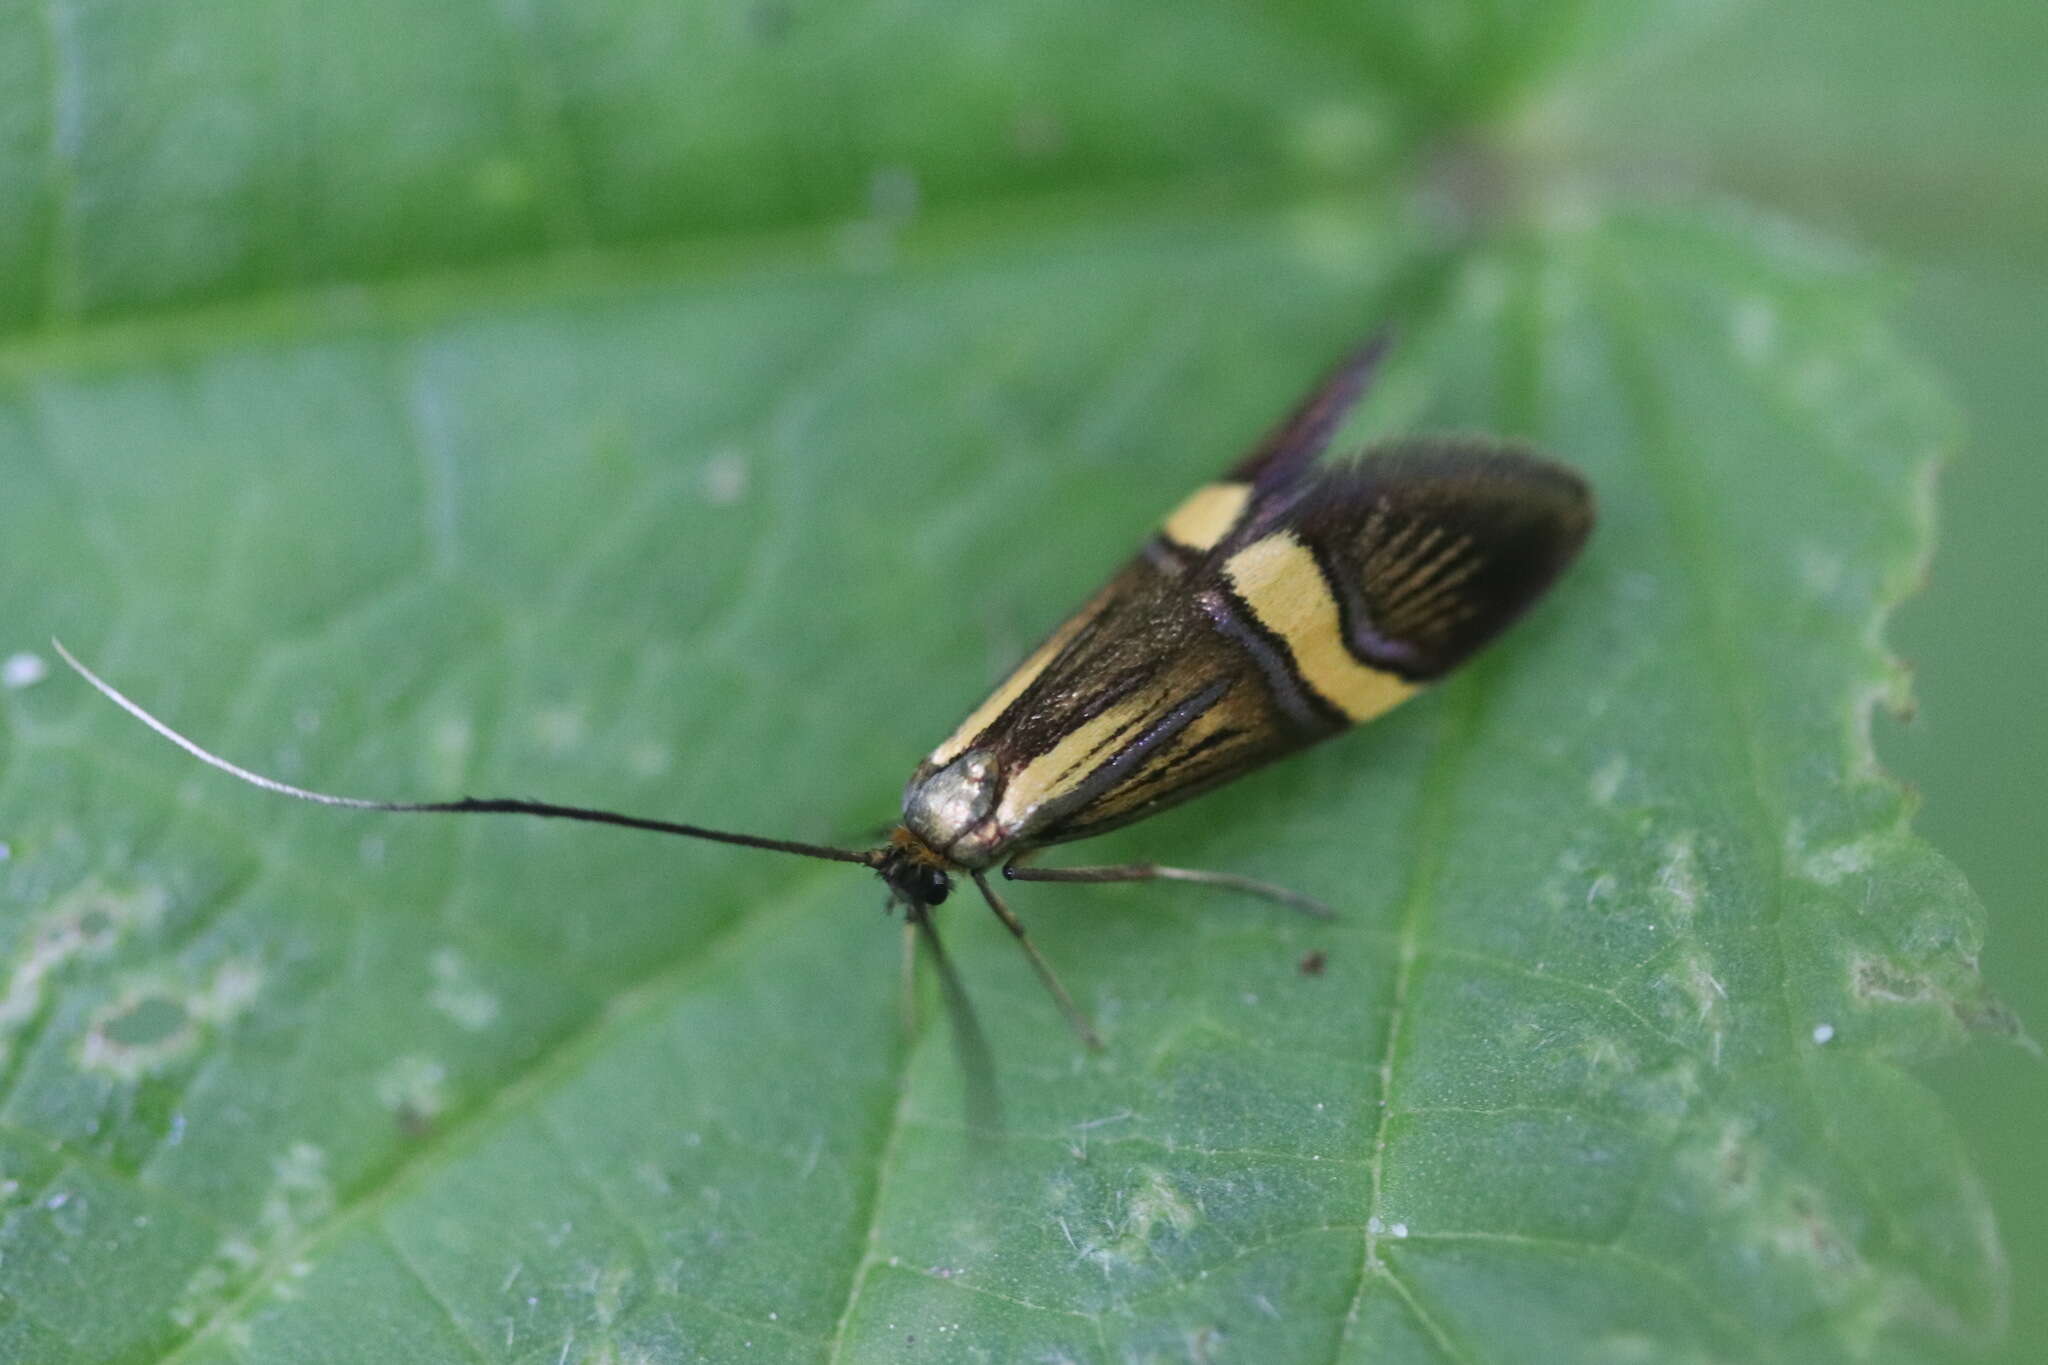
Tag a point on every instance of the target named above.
point(1274, 609)
point(1264, 478)
point(1433, 545)
point(1291, 449)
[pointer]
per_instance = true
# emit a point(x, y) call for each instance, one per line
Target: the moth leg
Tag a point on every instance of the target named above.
point(907, 983)
point(970, 1045)
point(1038, 963)
point(1153, 872)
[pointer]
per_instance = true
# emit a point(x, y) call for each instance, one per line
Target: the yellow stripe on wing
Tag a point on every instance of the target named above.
point(1283, 585)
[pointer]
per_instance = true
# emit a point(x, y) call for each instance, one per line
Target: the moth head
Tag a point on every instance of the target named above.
point(949, 808)
point(916, 875)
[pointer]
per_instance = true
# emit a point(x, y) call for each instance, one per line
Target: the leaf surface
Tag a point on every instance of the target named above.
point(1606, 1059)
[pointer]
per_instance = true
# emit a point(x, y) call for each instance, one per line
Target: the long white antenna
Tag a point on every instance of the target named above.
point(269, 784)
point(468, 805)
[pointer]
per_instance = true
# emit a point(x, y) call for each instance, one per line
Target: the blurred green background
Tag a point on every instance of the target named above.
point(1921, 130)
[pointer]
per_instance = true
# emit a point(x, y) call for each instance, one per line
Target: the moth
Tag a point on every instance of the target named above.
point(1275, 607)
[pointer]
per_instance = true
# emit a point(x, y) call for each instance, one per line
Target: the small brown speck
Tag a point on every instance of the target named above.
point(1313, 963)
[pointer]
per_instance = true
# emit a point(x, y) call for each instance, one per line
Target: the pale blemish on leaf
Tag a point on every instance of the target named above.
point(87, 923)
point(1678, 881)
point(235, 985)
point(1874, 980)
point(457, 994)
point(1784, 1221)
point(300, 1196)
point(414, 1087)
point(1832, 865)
point(140, 1032)
point(1696, 1000)
point(1150, 1211)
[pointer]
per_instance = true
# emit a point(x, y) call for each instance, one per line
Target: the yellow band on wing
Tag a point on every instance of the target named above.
point(1207, 515)
point(1283, 585)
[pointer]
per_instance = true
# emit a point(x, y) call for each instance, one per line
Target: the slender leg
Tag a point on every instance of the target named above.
point(1153, 872)
point(912, 919)
point(1038, 963)
point(970, 1045)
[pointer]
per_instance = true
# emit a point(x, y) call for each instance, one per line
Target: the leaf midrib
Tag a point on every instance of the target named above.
point(949, 231)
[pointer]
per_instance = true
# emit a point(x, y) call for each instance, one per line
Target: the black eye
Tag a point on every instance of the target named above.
point(935, 888)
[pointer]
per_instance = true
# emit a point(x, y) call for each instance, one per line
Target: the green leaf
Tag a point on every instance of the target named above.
point(1607, 1060)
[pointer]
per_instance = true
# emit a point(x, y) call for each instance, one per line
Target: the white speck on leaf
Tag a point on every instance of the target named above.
point(23, 670)
point(1823, 1033)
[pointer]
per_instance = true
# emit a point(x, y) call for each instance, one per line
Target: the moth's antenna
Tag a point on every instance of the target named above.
point(468, 805)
